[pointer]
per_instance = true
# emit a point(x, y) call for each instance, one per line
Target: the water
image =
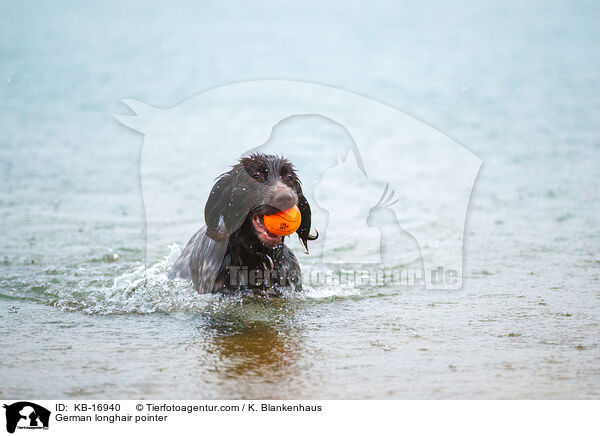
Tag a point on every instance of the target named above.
point(81, 318)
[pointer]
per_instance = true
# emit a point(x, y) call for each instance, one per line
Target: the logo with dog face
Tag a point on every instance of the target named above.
point(384, 188)
point(26, 415)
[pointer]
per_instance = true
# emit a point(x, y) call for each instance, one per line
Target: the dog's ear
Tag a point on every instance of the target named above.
point(215, 208)
point(304, 229)
point(225, 211)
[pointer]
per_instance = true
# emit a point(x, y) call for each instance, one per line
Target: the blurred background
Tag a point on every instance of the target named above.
point(516, 83)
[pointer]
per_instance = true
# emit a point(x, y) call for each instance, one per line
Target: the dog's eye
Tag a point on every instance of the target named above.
point(288, 176)
point(258, 176)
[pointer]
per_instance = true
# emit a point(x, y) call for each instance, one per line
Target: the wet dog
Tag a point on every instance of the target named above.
point(235, 251)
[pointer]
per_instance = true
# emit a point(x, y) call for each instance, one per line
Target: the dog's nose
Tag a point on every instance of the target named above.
point(283, 200)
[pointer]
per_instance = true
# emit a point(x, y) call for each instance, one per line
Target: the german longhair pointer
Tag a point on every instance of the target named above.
point(235, 251)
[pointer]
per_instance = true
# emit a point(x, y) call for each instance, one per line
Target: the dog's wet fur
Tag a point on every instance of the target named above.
point(234, 251)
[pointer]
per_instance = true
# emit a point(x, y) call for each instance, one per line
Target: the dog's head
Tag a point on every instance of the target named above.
point(256, 186)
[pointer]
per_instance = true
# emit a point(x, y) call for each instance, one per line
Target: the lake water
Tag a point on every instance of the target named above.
point(80, 317)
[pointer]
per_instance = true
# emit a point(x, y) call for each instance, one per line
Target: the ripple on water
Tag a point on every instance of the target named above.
point(148, 289)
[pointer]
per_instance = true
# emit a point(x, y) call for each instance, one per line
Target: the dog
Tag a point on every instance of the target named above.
point(235, 251)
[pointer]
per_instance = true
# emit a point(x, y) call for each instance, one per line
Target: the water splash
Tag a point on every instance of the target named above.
point(143, 290)
point(149, 290)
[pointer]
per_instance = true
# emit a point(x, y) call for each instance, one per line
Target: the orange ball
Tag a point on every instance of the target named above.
point(283, 223)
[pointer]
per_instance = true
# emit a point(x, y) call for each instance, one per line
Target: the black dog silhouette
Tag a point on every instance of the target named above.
point(13, 415)
point(33, 419)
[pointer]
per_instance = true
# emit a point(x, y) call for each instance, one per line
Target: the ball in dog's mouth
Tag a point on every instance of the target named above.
point(265, 236)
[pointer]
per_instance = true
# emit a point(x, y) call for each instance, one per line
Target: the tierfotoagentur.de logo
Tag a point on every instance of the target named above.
point(24, 415)
point(389, 194)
